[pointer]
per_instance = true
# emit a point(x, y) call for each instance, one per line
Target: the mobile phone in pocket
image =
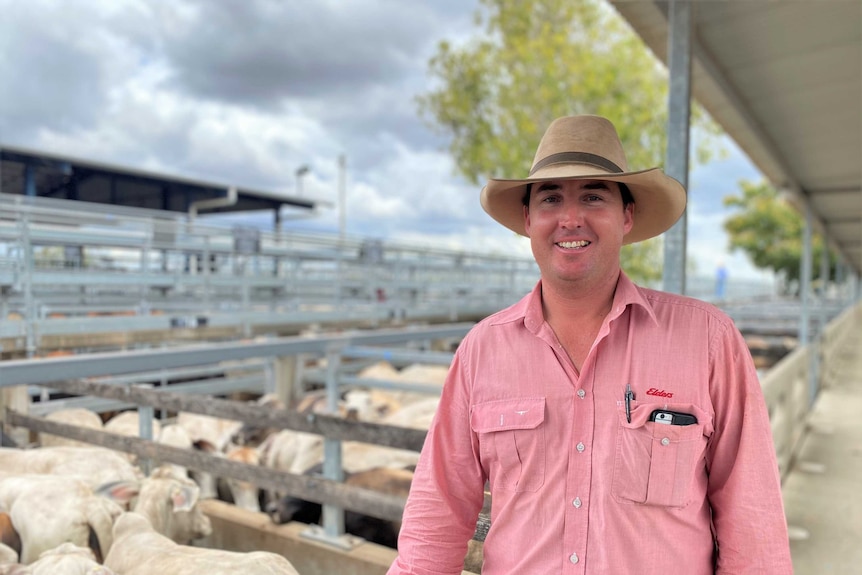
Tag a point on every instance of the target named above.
point(668, 417)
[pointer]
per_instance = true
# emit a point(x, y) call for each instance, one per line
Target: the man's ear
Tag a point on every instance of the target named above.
point(527, 220)
point(628, 217)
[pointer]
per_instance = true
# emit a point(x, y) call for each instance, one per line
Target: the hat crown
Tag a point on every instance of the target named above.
point(590, 140)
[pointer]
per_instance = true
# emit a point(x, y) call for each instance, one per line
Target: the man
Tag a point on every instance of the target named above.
point(620, 430)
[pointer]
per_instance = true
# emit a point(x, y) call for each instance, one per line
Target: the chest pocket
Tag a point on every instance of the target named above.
point(656, 463)
point(512, 441)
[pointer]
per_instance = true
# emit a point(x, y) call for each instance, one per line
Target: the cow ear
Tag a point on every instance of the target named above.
point(184, 497)
point(120, 491)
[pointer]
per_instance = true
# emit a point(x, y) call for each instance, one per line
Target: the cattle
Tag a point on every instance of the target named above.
point(128, 423)
point(94, 465)
point(10, 540)
point(175, 436)
point(66, 559)
point(416, 415)
point(139, 550)
point(243, 494)
point(74, 416)
point(169, 503)
point(387, 402)
point(357, 457)
point(292, 451)
point(210, 435)
point(252, 434)
point(48, 510)
point(381, 531)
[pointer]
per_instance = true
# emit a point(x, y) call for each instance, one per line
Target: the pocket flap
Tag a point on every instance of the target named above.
point(506, 414)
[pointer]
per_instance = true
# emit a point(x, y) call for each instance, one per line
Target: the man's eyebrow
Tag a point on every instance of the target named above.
point(598, 185)
point(548, 186)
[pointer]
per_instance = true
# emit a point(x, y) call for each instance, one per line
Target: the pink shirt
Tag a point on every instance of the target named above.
point(576, 488)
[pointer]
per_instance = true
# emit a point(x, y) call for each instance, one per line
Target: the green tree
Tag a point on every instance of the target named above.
point(770, 232)
point(536, 60)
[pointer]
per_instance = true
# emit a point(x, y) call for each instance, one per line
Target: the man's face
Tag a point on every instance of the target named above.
point(576, 228)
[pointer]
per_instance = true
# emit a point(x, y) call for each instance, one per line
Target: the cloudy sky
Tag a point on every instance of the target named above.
point(246, 91)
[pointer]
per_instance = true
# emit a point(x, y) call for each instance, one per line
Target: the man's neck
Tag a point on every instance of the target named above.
point(579, 303)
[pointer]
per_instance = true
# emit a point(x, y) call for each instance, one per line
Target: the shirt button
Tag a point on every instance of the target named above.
point(577, 502)
point(574, 558)
point(581, 393)
point(665, 441)
point(580, 447)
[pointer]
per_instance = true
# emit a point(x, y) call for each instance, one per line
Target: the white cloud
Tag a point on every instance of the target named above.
point(183, 87)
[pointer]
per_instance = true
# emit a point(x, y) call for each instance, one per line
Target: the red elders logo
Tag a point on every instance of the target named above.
point(658, 392)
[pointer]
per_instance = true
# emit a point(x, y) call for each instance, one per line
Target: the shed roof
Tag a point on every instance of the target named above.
point(784, 80)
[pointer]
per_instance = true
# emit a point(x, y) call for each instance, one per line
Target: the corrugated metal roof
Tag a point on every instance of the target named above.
point(784, 80)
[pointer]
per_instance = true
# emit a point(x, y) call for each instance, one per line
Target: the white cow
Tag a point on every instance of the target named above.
point(128, 423)
point(48, 510)
point(95, 465)
point(176, 436)
point(244, 494)
point(7, 555)
point(74, 416)
point(169, 503)
point(139, 550)
point(66, 559)
point(415, 415)
point(210, 435)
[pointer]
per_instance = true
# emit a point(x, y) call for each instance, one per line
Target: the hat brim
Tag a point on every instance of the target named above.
point(659, 199)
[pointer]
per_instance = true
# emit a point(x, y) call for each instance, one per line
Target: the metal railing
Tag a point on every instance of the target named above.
point(791, 383)
point(132, 271)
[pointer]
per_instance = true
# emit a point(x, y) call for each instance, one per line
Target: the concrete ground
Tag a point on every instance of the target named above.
point(823, 491)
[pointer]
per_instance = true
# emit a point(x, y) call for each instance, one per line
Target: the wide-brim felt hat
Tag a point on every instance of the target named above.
point(588, 148)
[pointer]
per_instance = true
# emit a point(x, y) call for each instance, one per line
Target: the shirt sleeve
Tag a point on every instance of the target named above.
point(447, 490)
point(744, 485)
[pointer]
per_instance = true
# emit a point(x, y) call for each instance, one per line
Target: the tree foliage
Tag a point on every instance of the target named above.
point(770, 232)
point(536, 60)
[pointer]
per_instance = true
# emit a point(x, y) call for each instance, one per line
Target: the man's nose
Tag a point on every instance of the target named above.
point(571, 216)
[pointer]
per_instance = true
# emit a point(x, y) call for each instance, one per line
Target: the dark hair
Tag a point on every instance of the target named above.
point(625, 194)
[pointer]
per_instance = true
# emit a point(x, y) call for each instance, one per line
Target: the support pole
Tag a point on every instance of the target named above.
point(679, 107)
point(804, 294)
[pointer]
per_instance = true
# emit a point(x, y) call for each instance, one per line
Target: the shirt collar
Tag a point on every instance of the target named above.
point(529, 309)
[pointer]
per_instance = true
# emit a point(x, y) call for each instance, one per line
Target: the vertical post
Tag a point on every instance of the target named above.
point(333, 517)
point(679, 106)
point(286, 380)
point(145, 428)
point(824, 287)
point(805, 313)
point(342, 196)
point(28, 271)
point(342, 228)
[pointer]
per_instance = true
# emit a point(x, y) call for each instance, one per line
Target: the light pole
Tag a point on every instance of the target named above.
point(342, 196)
point(300, 171)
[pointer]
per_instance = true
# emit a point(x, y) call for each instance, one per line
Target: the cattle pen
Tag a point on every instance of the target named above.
point(312, 549)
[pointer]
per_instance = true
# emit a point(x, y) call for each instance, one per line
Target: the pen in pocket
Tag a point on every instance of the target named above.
point(629, 397)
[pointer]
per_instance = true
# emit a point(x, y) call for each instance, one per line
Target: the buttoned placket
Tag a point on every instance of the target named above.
point(577, 516)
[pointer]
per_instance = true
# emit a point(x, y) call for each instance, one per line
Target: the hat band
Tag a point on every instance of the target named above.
point(577, 157)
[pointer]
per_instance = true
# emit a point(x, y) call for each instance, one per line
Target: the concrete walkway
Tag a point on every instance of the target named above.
point(823, 491)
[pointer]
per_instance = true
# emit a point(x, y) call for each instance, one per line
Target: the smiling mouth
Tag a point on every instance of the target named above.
point(570, 245)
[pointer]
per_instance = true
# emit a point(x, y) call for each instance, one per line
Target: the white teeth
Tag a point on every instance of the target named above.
point(580, 244)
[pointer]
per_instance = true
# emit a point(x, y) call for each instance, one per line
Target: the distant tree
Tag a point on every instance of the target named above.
point(536, 60)
point(770, 232)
